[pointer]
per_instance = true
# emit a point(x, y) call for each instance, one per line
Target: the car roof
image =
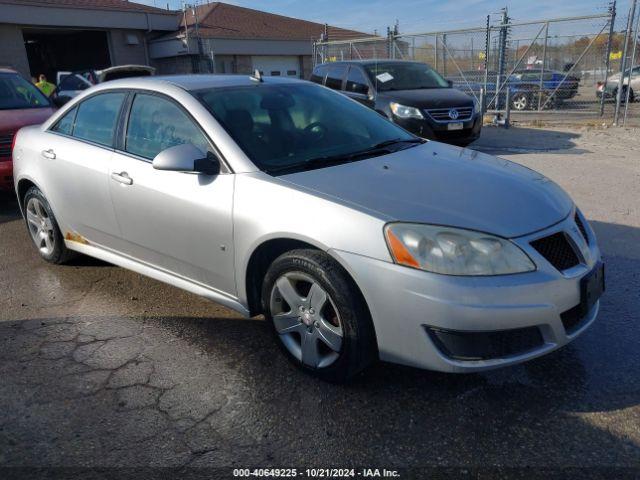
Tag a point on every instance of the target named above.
point(369, 62)
point(202, 81)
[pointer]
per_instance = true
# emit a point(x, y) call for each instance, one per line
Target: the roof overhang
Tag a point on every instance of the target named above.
point(170, 47)
point(52, 16)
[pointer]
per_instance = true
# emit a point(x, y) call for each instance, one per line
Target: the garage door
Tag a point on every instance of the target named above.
point(281, 66)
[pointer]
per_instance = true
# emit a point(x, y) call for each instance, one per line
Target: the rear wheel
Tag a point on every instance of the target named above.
point(520, 101)
point(318, 315)
point(43, 228)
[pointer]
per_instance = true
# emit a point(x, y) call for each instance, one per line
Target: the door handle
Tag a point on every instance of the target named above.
point(49, 154)
point(122, 177)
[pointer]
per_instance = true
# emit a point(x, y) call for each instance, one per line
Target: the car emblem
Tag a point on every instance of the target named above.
point(453, 114)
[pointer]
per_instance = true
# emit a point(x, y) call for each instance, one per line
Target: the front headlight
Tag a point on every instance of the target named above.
point(403, 111)
point(454, 251)
point(476, 105)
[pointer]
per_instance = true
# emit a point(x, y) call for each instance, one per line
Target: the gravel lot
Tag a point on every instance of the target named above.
point(101, 367)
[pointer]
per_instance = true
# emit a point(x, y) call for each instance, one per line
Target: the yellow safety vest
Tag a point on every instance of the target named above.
point(46, 87)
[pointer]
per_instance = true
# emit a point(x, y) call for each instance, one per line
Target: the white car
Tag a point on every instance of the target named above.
point(71, 84)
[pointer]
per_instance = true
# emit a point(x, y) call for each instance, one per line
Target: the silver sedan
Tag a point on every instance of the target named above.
point(357, 240)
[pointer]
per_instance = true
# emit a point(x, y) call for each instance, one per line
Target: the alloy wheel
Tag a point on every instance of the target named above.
point(306, 319)
point(40, 226)
point(519, 102)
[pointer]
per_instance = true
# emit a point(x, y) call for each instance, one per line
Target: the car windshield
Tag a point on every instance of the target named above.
point(404, 76)
point(292, 127)
point(17, 93)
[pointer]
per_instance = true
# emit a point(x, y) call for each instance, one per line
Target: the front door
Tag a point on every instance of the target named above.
point(357, 87)
point(173, 221)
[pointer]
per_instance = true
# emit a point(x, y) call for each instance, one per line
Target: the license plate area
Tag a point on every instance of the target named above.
point(592, 287)
point(455, 126)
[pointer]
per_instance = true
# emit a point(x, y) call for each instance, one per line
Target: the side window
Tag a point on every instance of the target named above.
point(73, 82)
point(356, 81)
point(97, 117)
point(335, 76)
point(65, 124)
point(318, 74)
point(156, 124)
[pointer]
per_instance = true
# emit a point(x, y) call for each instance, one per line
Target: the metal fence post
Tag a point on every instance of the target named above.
point(634, 39)
point(544, 61)
point(486, 62)
point(502, 52)
point(623, 66)
point(612, 21)
point(507, 113)
point(436, 54)
point(444, 54)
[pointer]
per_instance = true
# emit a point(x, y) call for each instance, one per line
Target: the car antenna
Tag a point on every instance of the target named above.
point(257, 76)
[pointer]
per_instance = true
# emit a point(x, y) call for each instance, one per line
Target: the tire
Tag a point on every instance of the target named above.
point(521, 101)
point(43, 228)
point(308, 337)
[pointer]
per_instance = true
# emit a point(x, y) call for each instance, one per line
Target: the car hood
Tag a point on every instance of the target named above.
point(439, 184)
point(430, 98)
point(12, 120)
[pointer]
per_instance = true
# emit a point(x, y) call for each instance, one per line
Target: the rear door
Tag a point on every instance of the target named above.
point(76, 154)
point(173, 221)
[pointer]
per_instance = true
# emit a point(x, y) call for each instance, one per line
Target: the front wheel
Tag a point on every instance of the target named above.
point(318, 315)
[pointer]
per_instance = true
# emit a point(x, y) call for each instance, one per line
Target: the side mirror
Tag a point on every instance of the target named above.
point(60, 100)
point(187, 158)
point(450, 83)
point(371, 93)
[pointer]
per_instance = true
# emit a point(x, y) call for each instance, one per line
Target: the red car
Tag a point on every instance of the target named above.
point(21, 104)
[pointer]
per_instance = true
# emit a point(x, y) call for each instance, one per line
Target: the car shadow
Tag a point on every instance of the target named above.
point(521, 140)
point(9, 209)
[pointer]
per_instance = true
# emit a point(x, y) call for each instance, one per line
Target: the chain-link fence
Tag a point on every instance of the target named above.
point(564, 69)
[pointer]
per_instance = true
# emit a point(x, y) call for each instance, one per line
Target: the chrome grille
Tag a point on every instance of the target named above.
point(443, 114)
point(5, 145)
point(558, 251)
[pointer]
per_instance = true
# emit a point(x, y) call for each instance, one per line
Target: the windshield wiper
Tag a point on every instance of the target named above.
point(395, 141)
point(331, 160)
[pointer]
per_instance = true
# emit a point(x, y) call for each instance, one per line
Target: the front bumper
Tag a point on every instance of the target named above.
point(407, 305)
point(439, 131)
point(6, 174)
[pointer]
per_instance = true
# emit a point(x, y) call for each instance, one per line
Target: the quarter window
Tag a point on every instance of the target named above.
point(97, 117)
point(356, 82)
point(65, 124)
point(334, 79)
point(156, 124)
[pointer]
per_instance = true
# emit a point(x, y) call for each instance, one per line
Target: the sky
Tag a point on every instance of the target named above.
point(414, 15)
